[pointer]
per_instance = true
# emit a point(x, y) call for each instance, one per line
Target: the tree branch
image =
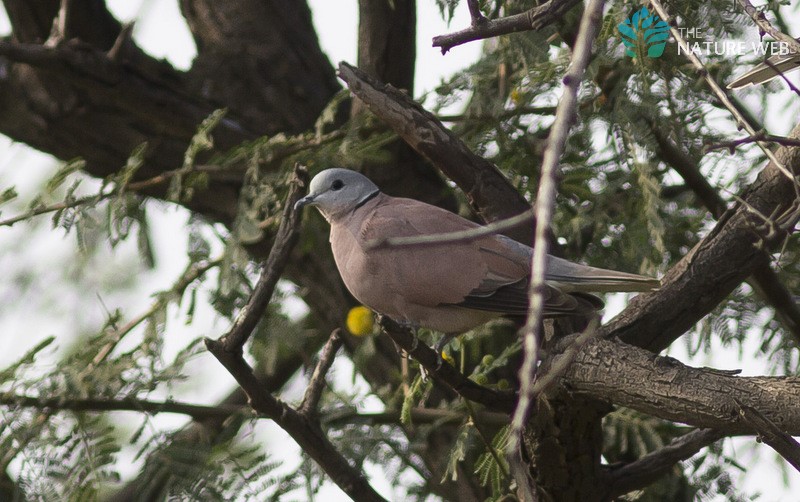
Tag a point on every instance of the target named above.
point(196, 411)
point(714, 267)
point(533, 19)
point(308, 406)
point(700, 397)
point(764, 279)
point(773, 435)
point(285, 239)
point(444, 373)
point(646, 470)
point(489, 193)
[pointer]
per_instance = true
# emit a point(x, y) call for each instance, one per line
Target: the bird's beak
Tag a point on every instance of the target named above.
point(305, 201)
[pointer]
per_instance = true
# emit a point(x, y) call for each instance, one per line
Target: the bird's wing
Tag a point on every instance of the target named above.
point(490, 273)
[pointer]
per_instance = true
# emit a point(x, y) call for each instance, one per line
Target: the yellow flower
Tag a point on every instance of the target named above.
point(448, 358)
point(360, 321)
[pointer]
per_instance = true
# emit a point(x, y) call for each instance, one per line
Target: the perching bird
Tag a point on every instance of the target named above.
point(764, 72)
point(449, 287)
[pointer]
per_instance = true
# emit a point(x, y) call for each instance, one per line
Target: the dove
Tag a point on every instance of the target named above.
point(450, 287)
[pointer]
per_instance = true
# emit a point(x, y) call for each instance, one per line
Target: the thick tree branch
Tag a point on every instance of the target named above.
point(764, 280)
point(701, 397)
point(715, 266)
point(533, 19)
point(649, 468)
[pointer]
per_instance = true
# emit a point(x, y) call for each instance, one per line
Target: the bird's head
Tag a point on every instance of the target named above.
point(337, 191)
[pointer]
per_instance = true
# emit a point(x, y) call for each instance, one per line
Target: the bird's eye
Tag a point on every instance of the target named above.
point(337, 185)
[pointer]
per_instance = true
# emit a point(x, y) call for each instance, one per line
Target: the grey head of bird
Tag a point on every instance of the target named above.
point(336, 192)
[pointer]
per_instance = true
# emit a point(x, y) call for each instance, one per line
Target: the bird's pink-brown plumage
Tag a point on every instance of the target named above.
point(449, 286)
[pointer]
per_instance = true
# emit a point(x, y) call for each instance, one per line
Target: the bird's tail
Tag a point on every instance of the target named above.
point(767, 71)
point(573, 277)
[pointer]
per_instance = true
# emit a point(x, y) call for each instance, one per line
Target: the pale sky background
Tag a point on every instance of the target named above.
point(160, 32)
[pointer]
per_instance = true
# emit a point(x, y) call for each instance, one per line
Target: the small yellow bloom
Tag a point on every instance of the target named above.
point(360, 321)
point(448, 358)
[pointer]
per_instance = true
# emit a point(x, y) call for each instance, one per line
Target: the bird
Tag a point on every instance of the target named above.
point(764, 72)
point(449, 287)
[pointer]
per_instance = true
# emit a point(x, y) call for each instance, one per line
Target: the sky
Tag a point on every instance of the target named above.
point(158, 33)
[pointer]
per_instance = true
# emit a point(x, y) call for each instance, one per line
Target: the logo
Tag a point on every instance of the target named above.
point(643, 29)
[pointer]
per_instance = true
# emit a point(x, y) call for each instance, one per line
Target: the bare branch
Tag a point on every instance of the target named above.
point(766, 27)
point(481, 28)
point(652, 466)
point(285, 239)
point(313, 393)
point(721, 95)
point(701, 397)
point(418, 416)
point(764, 280)
point(760, 136)
point(196, 411)
point(545, 203)
point(773, 435)
point(444, 373)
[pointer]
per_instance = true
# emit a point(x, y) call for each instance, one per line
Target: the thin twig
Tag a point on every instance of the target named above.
point(766, 27)
point(445, 373)
point(192, 273)
point(418, 416)
point(778, 439)
point(760, 136)
point(196, 411)
point(285, 239)
point(533, 19)
point(721, 95)
point(313, 393)
point(545, 203)
point(493, 228)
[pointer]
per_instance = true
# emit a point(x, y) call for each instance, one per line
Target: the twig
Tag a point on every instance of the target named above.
point(418, 416)
point(192, 273)
point(134, 186)
point(759, 136)
point(487, 189)
point(505, 114)
point(196, 411)
point(766, 27)
point(645, 470)
point(313, 393)
point(779, 440)
point(764, 280)
point(549, 375)
point(285, 239)
point(533, 19)
point(445, 373)
point(229, 352)
point(717, 90)
point(495, 227)
point(545, 203)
